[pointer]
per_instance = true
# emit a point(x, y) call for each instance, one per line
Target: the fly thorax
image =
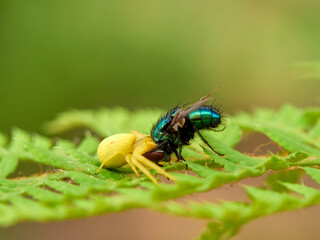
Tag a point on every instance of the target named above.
point(179, 124)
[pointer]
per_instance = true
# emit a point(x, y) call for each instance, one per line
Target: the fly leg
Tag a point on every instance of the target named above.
point(179, 156)
point(179, 147)
point(178, 153)
point(206, 142)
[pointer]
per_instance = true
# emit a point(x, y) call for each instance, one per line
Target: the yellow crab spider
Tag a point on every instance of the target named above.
point(128, 148)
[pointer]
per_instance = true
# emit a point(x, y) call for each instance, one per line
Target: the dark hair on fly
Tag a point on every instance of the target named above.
point(219, 109)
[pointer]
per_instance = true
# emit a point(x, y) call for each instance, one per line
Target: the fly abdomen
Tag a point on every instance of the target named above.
point(205, 118)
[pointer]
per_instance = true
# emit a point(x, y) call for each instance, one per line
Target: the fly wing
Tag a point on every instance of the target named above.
point(178, 119)
point(201, 102)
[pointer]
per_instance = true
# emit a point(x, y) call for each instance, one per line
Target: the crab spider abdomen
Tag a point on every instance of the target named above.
point(113, 150)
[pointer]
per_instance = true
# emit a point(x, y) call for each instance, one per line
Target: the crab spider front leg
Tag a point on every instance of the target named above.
point(142, 145)
point(144, 170)
point(153, 166)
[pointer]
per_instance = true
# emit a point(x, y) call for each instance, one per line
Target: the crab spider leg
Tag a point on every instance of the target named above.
point(137, 134)
point(128, 159)
point(152, 165)
point(144, 170)
point(104, 162)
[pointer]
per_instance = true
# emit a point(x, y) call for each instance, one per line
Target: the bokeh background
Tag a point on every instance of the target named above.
point(60, 55)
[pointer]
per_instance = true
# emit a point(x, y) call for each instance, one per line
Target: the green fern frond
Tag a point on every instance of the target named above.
point(71, 189)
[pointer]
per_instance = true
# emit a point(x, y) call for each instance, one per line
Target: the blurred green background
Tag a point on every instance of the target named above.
point(58, 55)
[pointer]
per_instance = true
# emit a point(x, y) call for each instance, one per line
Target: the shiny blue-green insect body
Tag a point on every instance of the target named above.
point(205, 118)
point(177, 127)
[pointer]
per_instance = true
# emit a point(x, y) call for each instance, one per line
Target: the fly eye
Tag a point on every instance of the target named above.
point(155, 156)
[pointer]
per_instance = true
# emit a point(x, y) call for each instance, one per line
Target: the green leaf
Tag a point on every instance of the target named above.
point(314, 173)
point(8, 164)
